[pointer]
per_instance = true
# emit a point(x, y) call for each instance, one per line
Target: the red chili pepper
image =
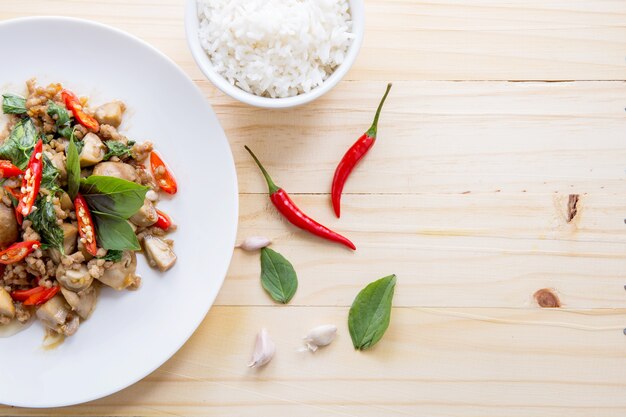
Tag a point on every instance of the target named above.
point(288, 208)
point(163, 175)
point(17, 196)
point(163, 220)
point(86, 227)
point(13, 192)
point(352, 157)
point(73, 103)
point(8, 170)
point(31, 181)
point(23, 295)
point(41, 297)
point(18, 251)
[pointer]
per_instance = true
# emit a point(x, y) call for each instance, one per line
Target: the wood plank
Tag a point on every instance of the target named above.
point(440, 362)
point(469, 250)
point(414, 40)
point(441, 137)
point(464, 197)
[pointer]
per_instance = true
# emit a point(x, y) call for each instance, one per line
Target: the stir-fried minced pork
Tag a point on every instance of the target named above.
point(65, 228)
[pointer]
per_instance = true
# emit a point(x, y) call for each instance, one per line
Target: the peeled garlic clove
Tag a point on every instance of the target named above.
point(320, 336)
point(254, 243)
point(263, 350)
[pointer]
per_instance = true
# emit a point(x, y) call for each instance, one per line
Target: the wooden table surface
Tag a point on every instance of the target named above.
point(500, 111)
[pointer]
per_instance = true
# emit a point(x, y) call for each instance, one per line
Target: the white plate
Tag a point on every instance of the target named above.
point(130, 334)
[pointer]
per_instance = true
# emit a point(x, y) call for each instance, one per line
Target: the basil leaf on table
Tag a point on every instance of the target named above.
point(113, 196)
point(13, 104)
point(72, 164)
point(44, 221)
point(278, 277)
point(20, 143)
point(114, 233)
point(116, 149)
point(370, 313)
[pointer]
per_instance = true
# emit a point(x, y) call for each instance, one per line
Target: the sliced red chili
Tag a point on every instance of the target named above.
point(32, 180)
point(86, 227)
point(163, 220)
point(8, 170)
point(17, 196)
point(41, 297)
point(162, 174)
point(23, 295)
point(18, 251)
point(73, 104)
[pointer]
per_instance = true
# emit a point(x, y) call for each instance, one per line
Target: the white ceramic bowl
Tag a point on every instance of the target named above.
point(357, 10)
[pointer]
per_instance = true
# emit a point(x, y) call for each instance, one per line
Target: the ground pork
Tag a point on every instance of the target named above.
point(15, 276)
point(37, 104)
point(141, 151)
point(154, 231)
point(22, 314)
point(80, 131)
point(144, 177)
point(108, 132)
point(48, 267)
point(28, 233)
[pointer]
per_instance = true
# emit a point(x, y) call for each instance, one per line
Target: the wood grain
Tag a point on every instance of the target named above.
point(469, 362)
point(464, 197)
point(417, 40)
point(441, 137)
point(461, 250)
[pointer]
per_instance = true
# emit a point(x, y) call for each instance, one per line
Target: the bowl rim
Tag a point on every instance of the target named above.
point(192, 24)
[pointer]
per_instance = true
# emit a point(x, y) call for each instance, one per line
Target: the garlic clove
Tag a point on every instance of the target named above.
point(320, 336)
point(263, 350)
point(254, 243)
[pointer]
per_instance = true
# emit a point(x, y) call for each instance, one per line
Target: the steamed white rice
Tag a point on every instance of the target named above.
point(275, 48)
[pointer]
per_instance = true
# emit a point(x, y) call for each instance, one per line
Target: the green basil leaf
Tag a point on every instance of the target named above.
point(62, 120)
point(44, 221)
point(278, 276)
point(65, 131)
point(20, 143)
point(49, 176)
point(45, 138)
point(370, 313)
point(79, 144)
point(117, 149)
point(13, 104)
point(113, 195)
point(114, 233)
point(113, 255)
point(72, 164)
point(61, 113)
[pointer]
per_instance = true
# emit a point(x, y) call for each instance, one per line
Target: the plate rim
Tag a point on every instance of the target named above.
point(149, 370)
